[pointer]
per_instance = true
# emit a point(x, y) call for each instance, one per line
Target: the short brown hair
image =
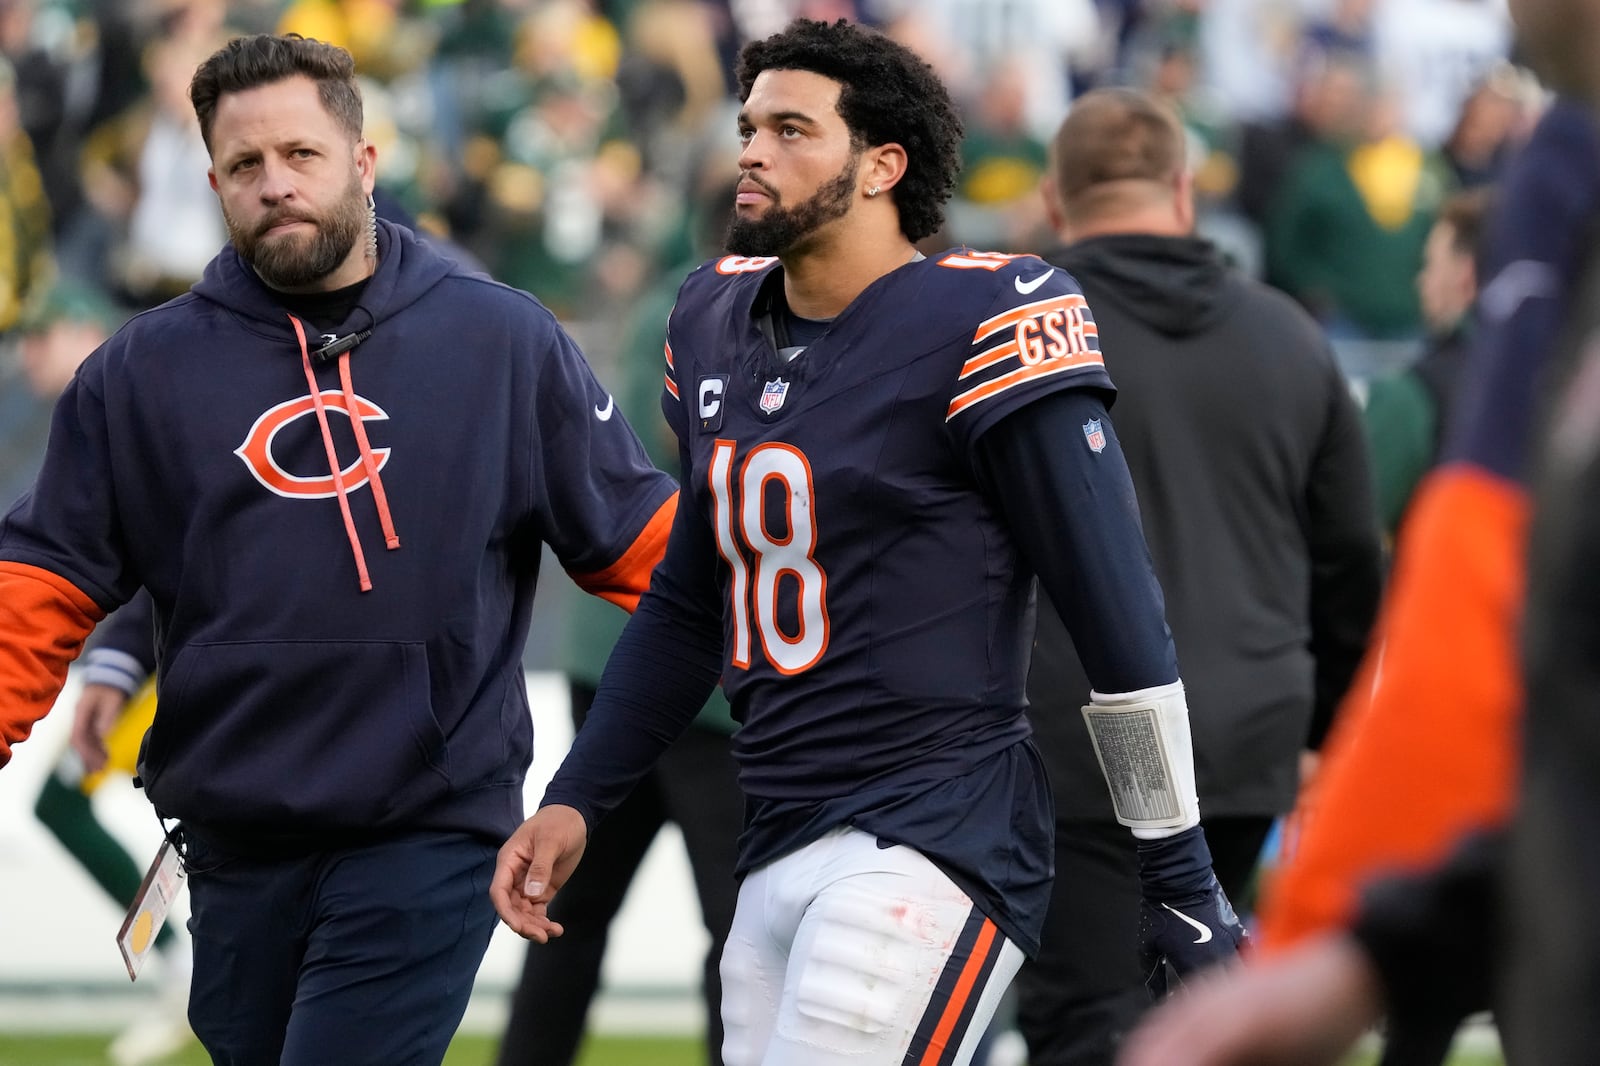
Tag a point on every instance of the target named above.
point(1115, 135)
point(248, 62)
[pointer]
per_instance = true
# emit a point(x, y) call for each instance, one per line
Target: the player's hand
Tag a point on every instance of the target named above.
point(533, 864)
point(1185, 920)
point(98, 709)
point(1303, 1009)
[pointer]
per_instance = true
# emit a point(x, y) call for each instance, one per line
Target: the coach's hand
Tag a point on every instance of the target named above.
point(533, 864)
point(1185, 919)
point(98, 709)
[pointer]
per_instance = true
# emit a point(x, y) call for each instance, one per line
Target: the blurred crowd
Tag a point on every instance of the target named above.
point(567, 144)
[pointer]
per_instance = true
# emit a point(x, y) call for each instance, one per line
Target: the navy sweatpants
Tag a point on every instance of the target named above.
point(362, 955)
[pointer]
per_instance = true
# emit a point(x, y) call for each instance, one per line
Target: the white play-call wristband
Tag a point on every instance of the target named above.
point(1142, 741)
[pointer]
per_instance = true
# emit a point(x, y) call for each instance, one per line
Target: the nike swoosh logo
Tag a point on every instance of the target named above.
point(604, 413)
point(1200, 927)
point(1027, 287)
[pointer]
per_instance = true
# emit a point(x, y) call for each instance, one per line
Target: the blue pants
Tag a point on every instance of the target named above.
point(361, 955)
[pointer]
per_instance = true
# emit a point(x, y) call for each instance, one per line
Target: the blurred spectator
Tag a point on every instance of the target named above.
point(1327, 96)
point(1261, 530)
point(118, 687)
point(383, 41)
point(25, 262)
point(50, 114)
point(669, 80)
point(1406, 413)
point(145, 173)
point(694, 786)
point(1433, 53)
point(1344, 235)
point(971, 41)
point(1249, 53)
point(1494, 119)
point(62, 327)
point(997, 198)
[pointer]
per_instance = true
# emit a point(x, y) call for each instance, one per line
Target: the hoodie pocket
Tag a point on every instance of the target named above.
point(297, 736)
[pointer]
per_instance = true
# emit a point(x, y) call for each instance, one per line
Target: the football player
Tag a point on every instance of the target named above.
point(880, 450)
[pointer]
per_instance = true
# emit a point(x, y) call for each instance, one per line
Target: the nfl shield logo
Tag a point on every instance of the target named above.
point(772, 395)
point(1094, 435)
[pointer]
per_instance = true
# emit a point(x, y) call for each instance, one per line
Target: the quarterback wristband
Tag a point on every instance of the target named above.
point(1142, 742)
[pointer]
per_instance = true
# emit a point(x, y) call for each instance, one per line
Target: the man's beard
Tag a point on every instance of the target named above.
point(294, 261)
point(781, 229)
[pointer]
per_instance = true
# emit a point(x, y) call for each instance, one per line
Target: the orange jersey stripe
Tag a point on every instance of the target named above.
point(625, 580)
point(672, 387)
point(44, 619)
point(939, 1041)
point(1008, 319)
point(985, 360)
point(670, 364)
point(1425, 747)
point(1021, 376)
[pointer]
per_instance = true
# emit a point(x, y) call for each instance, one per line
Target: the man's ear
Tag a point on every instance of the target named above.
point(211, 176)
point(367, 164)
point(884, 166)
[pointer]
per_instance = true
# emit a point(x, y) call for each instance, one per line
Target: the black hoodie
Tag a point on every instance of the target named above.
point(1248, 458)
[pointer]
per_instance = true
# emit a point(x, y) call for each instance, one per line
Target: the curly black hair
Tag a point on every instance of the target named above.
point(889, 95)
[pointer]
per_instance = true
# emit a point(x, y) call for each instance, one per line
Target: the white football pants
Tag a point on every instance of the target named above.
point(847, 953)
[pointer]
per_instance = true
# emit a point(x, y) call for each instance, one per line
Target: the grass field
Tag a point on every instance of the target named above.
point(466, 1051)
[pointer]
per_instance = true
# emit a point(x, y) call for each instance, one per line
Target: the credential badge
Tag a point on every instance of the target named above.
point(773, 393)
point(1094, 435)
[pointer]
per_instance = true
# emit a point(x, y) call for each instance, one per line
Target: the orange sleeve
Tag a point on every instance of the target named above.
point(44, 619)
point(625, 580)
point(1426, 744)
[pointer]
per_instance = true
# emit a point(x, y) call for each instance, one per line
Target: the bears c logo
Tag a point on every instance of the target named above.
point(256, 451)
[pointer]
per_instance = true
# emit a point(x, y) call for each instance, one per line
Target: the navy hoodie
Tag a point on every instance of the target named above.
point(187, 457)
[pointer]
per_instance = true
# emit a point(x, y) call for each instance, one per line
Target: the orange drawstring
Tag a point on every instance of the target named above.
point(390, 537)
point(333, 456)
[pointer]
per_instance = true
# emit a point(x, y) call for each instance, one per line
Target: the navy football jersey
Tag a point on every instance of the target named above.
point(877, 621)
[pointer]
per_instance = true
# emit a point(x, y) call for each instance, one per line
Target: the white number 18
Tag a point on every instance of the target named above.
point(789, 553)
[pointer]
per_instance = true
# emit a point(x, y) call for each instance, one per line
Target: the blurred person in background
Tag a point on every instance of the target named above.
point(1326, 96)
point(1433, 54)
point(694, 786)
point(62, 326)
point(1407, 413)
point(26, 263)
point(971, 41)
point(48, 56)
point(1344, 234)
point(144, 174)
point(1246, 455)
point(113, 712)
point(1401, 899)
point(1002, 161)
point(1495, 120)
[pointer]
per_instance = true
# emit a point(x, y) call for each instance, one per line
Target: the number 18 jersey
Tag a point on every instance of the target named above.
point(877, 622)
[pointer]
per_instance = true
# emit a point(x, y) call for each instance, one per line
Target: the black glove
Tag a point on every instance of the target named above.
point(1185, 920)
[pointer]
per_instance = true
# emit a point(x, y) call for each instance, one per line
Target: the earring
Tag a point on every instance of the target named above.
point(873, 191)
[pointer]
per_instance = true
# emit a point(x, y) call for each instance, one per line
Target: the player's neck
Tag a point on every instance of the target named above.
point(820, 281)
